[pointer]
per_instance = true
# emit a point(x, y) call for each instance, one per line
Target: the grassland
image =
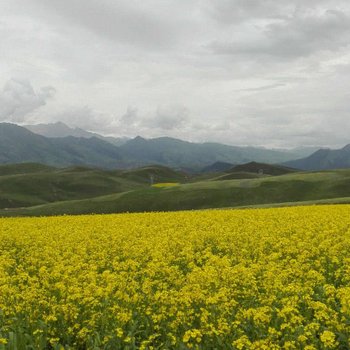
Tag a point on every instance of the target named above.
point(26, 185)
point(85, 191)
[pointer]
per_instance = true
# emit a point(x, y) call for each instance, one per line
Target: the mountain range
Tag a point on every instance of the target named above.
point(64, 146)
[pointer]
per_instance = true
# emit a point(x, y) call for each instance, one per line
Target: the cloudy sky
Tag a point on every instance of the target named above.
point(272, 73)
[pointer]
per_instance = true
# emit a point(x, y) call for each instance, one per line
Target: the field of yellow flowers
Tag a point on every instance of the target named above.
point(216, 279)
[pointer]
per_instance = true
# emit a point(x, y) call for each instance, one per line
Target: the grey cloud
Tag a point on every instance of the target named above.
point(130, 117)
point(18, 98)
point(301, 35)
point(124, 22)
point(264, 87)
point(164, 119)
point(232, 11)
point(168, 118)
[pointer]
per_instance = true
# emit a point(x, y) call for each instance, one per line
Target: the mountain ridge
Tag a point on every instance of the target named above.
point(323, 159)
point(18, 145)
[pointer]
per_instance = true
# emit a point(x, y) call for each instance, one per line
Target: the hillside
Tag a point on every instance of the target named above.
point(154, 174)
point(249, 170)
point(236, 175)
point(24, 185)
point(324, 159)
point(217, 167)
point(294, 187)
point(24, 168)
point(47, 186)
point(262, 168)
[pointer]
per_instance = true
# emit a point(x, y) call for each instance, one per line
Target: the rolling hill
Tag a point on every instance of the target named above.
point(249, 170)
point(262, 168)
point(139, 196)
point(24, 168)
point(31, 184)
point(217, 167)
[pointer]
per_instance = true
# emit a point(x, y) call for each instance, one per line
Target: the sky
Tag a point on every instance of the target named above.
point(272, 73)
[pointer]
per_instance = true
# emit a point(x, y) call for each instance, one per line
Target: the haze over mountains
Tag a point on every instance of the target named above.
point(18, 144)
point(60, 145)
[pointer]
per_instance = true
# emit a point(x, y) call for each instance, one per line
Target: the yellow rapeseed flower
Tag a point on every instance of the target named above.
point(247, 279)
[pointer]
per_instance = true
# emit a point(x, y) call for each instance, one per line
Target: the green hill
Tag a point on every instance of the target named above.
point(51, 185)
point(262, 168)
point(217, 167)
point(154, 174)
point(236, 175)
point(24, 168)
point(249, 170)
point(23, 185)
point(294, 187)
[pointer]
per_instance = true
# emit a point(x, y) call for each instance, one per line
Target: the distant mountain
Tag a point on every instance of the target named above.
point(177, 153)
point(302, 152)
point(324, 159)
point(18, 145)
point(60, 129)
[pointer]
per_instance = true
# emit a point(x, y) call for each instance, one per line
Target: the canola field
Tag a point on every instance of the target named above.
point(216, 279)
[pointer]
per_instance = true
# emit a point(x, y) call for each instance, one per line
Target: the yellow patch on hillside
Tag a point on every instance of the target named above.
point(165, 184)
